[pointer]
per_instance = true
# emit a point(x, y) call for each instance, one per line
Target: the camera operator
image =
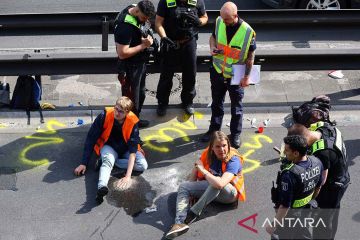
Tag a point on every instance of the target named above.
point(131, 48)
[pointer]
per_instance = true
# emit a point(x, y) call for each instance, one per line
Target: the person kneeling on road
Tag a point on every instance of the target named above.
point(217, 176)
point(114, 136)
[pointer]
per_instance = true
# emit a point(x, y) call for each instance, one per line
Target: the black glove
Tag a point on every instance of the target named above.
point(167, 44)
point(168, 41)
point(194, 19)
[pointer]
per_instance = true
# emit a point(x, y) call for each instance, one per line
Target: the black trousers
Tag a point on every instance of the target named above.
point(135, 84)
point(184, 56)
point(219, 87)
point(329, 200)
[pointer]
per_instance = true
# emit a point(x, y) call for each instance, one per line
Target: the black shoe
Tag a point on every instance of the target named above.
point(235, 141)
point(98, 164)
point(189, 109)
point(101, 192)
point(143, 123)
point(161, 110)
point(190, 218)
point(206, 137)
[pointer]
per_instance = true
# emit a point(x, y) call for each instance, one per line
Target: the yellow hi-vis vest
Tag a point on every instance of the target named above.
point(237, 181)
point(131, 20)
point(236, 51)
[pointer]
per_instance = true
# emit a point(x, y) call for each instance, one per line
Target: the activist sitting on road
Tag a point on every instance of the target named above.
point(216, 176)
point(114, 136)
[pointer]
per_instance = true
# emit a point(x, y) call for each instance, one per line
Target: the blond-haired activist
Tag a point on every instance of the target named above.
point(114, 136)
point(216, 176)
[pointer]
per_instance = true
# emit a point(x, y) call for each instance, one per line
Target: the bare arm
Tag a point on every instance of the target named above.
point(212, 43)
point(159, 26)
point(219, 182)
point(280, 214)
point(324, 176)
point(124, 182)
point(216, 182)
point(249, 63)
point(193, 175)
point(203, 19)
point(125, 51)
point(245, 81)
point(316, 192)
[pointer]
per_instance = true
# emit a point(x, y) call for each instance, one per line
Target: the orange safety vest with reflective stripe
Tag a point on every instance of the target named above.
point(236, 52)
point(130, 120)
point(237, 181)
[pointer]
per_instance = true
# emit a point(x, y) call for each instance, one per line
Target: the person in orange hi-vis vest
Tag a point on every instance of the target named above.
point(114, 136)
point(216, 176)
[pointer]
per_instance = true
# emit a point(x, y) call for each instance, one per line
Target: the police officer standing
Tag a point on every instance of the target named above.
point(177, 23)
point(232, 42)
point(130, 48)
point(327, 144)
point(298, 183)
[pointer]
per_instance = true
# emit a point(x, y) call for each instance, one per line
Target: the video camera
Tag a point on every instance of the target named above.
point(146, 31)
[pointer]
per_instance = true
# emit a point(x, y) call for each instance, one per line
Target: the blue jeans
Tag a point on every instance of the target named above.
point(206, 194)
point(110, 157)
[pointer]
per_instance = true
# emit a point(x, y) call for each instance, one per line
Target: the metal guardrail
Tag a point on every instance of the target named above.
point(105, 62)
point(102, 22)
point(91, 22)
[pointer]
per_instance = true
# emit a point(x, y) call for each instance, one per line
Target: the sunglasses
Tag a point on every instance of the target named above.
point(119, 110)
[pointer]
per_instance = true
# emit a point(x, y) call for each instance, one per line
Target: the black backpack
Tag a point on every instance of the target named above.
point(318, 109)
point(27, 95)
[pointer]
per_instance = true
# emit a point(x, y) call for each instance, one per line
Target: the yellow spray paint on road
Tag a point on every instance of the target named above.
point(152, 141)
point(255, 144)
point(45, 140)
point(160, 140)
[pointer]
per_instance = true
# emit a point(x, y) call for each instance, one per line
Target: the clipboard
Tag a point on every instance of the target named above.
point(239, 71)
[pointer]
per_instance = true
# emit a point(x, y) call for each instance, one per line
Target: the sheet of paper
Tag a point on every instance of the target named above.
point(238, 74)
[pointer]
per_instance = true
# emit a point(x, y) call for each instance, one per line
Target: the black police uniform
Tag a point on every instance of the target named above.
point(296, 185)
point(135, 66)
point(331, 150)
point(185, 34)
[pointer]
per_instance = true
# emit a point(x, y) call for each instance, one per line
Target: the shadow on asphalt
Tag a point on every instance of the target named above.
point(341, 96)
point(355, 151)
point(163, 218)
point(178, 148)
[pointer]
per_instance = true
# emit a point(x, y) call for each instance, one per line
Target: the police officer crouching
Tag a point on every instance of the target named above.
point(297, 184)
point(177, 23)
point(131, 48)
point(326, 143)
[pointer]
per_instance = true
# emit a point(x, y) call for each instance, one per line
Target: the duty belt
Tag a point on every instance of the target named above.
point(227, 80)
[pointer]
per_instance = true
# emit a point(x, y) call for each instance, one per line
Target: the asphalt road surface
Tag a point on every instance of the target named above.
point(42, 199)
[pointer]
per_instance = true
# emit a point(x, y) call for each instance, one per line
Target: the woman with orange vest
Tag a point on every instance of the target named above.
point(216, 176)
point(114, 136)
